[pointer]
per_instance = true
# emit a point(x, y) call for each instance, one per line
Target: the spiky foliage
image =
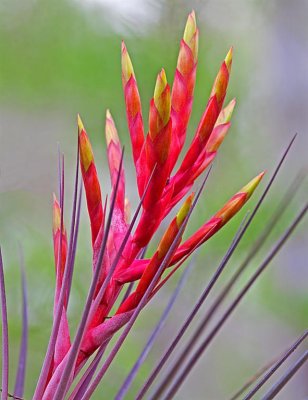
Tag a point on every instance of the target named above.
point(119, 244)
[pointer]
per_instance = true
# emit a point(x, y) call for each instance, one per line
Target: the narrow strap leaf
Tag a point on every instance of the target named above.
point(274, 367)
point(275, 389)
point(5, 335)
point(22, 360)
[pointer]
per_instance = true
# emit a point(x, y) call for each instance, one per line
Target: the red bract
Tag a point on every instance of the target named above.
point(90, 180)
point(60, 252)
point(117, 247)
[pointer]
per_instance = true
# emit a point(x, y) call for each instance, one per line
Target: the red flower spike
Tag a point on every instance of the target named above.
point(90, 181)
point(155, 155)
point(222, 79)
point(210, 114)
point(161, 109)
point(191, 38)
point(133, 105)
point(183, 86)
point(132, 301)
point(219, 219)
point(114, 152)
point(158, 140)
point(239, 199)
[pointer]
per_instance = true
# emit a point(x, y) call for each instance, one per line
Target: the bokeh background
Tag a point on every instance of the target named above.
point(61, 57)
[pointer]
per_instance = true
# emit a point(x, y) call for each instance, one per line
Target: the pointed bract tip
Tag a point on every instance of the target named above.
point(110, 129)
point(162, 97)
point(127, 66)
point(228, 59)
point(190, 36)
point(190, 27)
point(161, 83)
point(226, 113)
point(85, 149)
point(184, 210)
point(217, 137)
point(80, 124)
point(163, 75)
point(252, 185)
point(232, 104)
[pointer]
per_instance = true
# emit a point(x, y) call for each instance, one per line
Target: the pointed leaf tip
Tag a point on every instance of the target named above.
point(85, 148)
point(80, 124)
point(239, 199)
point(184, 210)
point(190, 28)
point(162, 98)
point(190, 36)
point(228, 110)
point(161, 83)
point(110, 129)
point(228, 59)
point(226, 113)
point(127, 66)
point(252, 185)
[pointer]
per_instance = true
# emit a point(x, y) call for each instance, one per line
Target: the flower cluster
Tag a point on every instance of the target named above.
point(161, 188)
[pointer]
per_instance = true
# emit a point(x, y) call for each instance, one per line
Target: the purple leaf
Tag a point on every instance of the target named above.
point(5, 335)
point(275, 389)
point(22, 361)
point(276, 365)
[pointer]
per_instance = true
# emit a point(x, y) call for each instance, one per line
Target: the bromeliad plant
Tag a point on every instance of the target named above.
point(119, 244)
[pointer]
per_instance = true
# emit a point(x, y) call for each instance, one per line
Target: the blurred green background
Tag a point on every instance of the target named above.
point(63, 57)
